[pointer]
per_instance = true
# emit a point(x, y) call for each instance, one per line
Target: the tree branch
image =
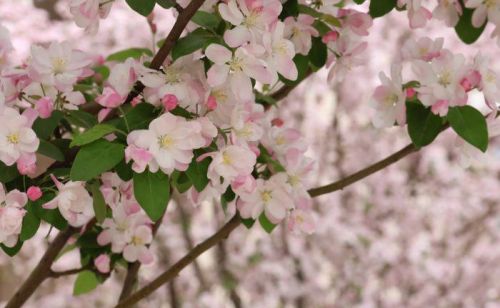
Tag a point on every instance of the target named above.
point(183, 19)
point(42, 271)
point(361, 174)
point(70, 272)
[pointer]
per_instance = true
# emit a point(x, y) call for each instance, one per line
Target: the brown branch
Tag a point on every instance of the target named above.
point(361, 174)
point(173, 271)
point(42, 271)
point(70, 272)
point(183, 19)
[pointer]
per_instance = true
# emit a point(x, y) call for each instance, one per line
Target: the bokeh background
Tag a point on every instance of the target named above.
point(424, 232)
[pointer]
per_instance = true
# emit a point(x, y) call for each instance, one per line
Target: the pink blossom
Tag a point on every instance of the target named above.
point(448, 11)
point(102, 263)
point(236, 68)
point(45, 106)
point(169, 102)
point(301, 221)
point(251, 19)
point(211, 103)
point(280, 53)
point(229, 163)
point(5, 45)
point(300, 31)
point(86, 13)
point(417, 14)
point(423, 49)
point(137, 249)
point(330, 36)
point(58, 65)
point(358, 22)
point(170, 140)
point(11, 215)
point(16, 137)
point(34, 193)
point(483, 10)
point(389, 100)
point(26, 164)
point(74, 202)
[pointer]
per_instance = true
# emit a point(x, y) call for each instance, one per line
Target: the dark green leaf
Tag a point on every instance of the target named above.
point(124, 171)
point(138, 117)
point(308, 10)
point(44, 128)
point(48, 149)
point(166, 4)
point(469, 124)
point(197, 173)
point(321, 27)
point(464, 28)
point(318, 53)
point(12, 251)
point(423, 125)
point(181, 181)
point(86, 281)
point(359, 1)
point(266, 224)
point(248, 222)
point(123, 55)
point(100, 207)
point(96, 158)
point(102, 70)
point(81, 118)
point(290, 8)
point(143, 7)
point(91, 135)
point(206, 20)
point(379, 8)
point(31, 222)
point(152, 191)
point(198, 39)
point(7, 173)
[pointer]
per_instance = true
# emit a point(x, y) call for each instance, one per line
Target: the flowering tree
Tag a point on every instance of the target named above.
point(97, 147)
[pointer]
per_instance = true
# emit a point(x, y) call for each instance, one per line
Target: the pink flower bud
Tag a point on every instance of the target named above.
point(34, 193)
point(102, 263)
point(44, 106)
point(169, 101)
point(410, 92)
point(471, 81)
point(331, 36)
point(211, 103)
point(135, 101)
point(277, 122)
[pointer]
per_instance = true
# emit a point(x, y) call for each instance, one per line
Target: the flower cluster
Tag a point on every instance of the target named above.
point(443, 80)
point(129, 230)
point(11, 215)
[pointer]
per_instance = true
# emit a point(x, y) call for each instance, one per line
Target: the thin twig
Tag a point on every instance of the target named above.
point(70, 272)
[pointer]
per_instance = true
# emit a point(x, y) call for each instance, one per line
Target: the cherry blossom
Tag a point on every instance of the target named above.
point(229, 163)
point(237, 69)
point(170, 141)
point(16, 136)
point(251, 19)
point(87, 13)
point(300, 31)
point(11, 215)
point(73, 201)
point(280, 53)
point(390, 100)
point(58, 65)
point(483, 10)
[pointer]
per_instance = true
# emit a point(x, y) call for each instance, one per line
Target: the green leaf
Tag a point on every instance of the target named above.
point(469, 124)
point(198, 39)
point(50, 150)
point(206, 20)
point(44, 128)
point(96, 158)
point(7, 173)
point(124, 171)
point(166, 4)
point(318, 53)
point(359, 1)
point(143, 7)
point(464, 28)
point(96, 132)
point(290, 8)
point(248, 222)
point(266, 224)
point(181, 181)
point(81, 118)
point(321, 27)
point(123, 55)
point(331, 20)
point(100, 207)
point(379, 8)
point(12, 251)
point(138, 117)
point(197, 173)
point(31, 222)
point(86, 281)
point(308, 10)
point(152, 191)
point(102, 70)
point(423, 125)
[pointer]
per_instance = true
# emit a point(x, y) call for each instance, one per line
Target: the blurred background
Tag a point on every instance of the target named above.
point(424, 232)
